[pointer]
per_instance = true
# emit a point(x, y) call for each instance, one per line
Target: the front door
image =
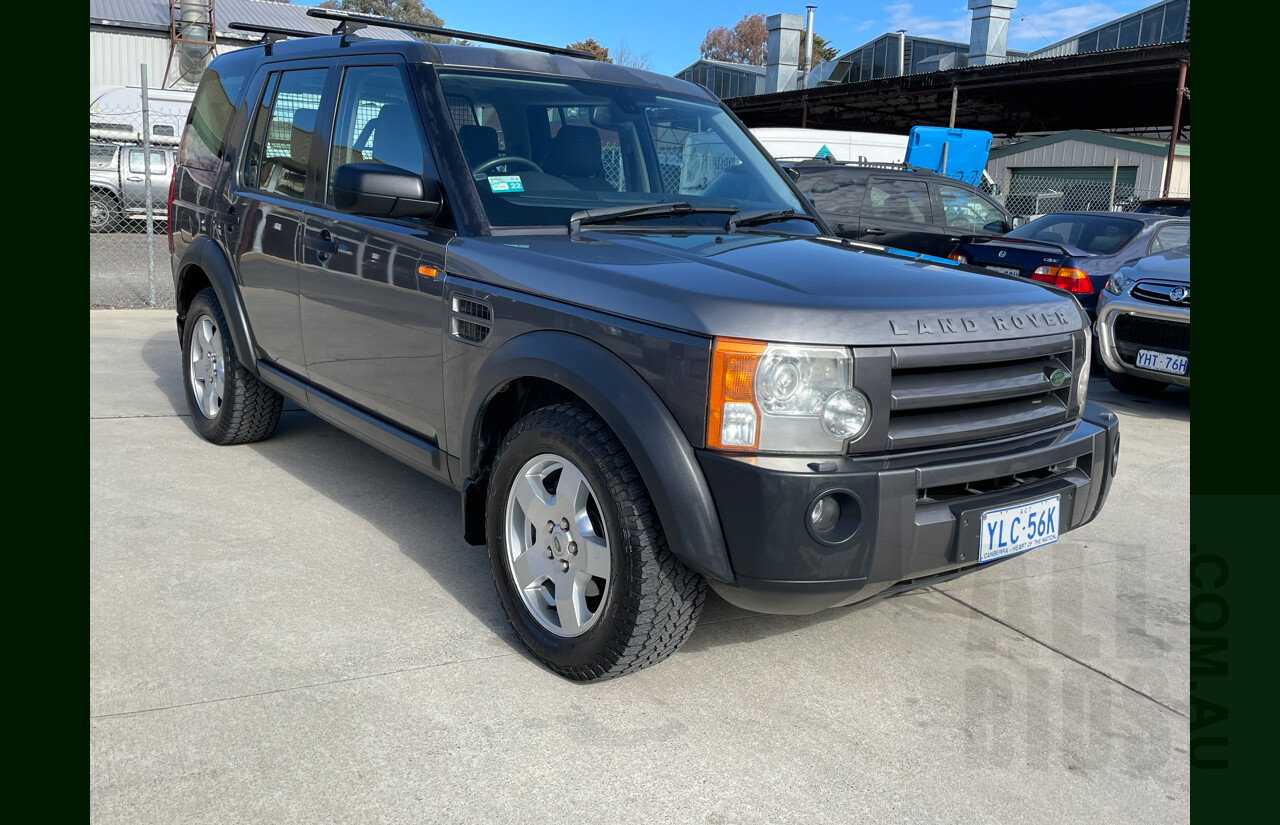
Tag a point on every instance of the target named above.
point(372, 291)
point(899, 213)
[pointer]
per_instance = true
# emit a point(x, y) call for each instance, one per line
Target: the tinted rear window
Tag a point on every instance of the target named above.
point(1094, 234)
point(213, 110)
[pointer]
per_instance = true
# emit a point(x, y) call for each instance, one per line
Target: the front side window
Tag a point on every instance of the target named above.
point(280, 150)
point(897, 200)
point(377, 122)
point(138, 164)
point(962, 209)
point(541, 149)
point(836, 191)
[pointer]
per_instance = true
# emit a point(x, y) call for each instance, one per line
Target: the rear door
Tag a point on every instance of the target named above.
point(271, 198)
point(898, 212)
point(371, 288)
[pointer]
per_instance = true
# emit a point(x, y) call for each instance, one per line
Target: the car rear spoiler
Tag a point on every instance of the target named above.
point(1005, 239)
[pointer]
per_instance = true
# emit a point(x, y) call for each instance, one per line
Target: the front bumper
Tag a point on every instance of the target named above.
point(1119, 356)
point(916, 515)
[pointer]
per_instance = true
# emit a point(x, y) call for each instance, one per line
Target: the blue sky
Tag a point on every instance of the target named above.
point(670, 31)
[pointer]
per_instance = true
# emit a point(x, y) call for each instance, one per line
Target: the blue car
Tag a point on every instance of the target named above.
point(1075, 251)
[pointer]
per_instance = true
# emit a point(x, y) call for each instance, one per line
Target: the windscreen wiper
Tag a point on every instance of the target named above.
point(627, 213)
point(766, 216)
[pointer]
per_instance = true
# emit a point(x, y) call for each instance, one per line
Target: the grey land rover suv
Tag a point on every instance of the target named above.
point(585, 297)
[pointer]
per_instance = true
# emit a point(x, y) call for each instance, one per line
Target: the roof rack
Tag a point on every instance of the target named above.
point(272, 34)
point(350, 22)
point(869, 164)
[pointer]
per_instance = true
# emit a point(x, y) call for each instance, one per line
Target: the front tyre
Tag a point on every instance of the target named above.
point(228, 404)
point(580, 562)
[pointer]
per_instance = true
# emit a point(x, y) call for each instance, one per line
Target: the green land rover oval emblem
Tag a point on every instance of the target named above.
point(1058, 378)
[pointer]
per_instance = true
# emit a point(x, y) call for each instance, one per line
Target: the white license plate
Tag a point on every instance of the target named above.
point(1004, 270)
point(1019, 528)
point(1162, 362)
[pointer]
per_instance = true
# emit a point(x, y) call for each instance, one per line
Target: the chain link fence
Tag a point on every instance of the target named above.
point(131, 159)
point(1032, 196)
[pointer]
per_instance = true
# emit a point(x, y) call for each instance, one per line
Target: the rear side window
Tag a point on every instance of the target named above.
point(898, 200)
point(1167, 237)
point(280, 151)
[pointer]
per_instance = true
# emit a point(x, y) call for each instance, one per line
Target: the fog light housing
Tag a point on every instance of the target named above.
point(833, 517)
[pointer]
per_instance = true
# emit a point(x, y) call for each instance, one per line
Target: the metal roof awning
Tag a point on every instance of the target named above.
point(1124, 88)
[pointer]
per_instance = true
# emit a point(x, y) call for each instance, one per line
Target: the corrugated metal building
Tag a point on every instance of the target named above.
point(1087, 159)
point(123, 34)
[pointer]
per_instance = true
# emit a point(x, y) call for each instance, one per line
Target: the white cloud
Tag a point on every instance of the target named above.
point(1040, 24)
point(903, 16)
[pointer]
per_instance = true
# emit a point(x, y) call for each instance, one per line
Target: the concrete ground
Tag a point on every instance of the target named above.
point(294, 631)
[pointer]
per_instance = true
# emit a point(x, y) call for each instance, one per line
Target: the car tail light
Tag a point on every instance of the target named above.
point(1064, 277)
point(959, 257)
point(169, 223)
point(733, 419)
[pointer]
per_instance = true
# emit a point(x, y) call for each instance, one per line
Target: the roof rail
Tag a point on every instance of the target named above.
point(350, 22)
point(272, 34)
point(868, 164)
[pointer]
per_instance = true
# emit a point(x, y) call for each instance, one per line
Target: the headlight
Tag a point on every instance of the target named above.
point(1118, 283)
point(1082, 376)
point(783, 398)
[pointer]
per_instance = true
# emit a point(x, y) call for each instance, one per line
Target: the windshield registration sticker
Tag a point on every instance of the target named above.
point(505, 183)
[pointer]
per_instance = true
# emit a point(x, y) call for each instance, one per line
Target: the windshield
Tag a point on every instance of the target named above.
point(101, 155)
point(1094, 234)
point(542, 149)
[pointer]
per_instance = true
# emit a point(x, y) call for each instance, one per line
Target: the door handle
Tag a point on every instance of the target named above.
point(873, 231)
point(323, 244)
point(137, 179)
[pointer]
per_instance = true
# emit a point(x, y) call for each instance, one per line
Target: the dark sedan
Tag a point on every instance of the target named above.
point(1076, 251)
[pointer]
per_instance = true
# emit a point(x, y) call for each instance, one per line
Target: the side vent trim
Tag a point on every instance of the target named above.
point(470, 320)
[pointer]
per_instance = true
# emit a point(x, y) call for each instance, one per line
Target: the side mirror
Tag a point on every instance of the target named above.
point(1019, 220)
point(792, 173)
point(382, 191)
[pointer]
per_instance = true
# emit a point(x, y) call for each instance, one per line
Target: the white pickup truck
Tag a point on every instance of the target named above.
point(118, 185)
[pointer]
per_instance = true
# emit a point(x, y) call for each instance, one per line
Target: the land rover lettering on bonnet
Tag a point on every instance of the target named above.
point(584, 297)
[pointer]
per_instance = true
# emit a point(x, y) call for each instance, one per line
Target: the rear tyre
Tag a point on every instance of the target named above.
point(580, 562)
point(228, 404)
point(1134, 385)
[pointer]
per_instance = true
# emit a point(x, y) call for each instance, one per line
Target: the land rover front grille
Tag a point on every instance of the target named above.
point(959, 394)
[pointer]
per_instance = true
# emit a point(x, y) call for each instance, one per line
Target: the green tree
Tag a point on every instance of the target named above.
point(590, 45)
point(405, 11)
